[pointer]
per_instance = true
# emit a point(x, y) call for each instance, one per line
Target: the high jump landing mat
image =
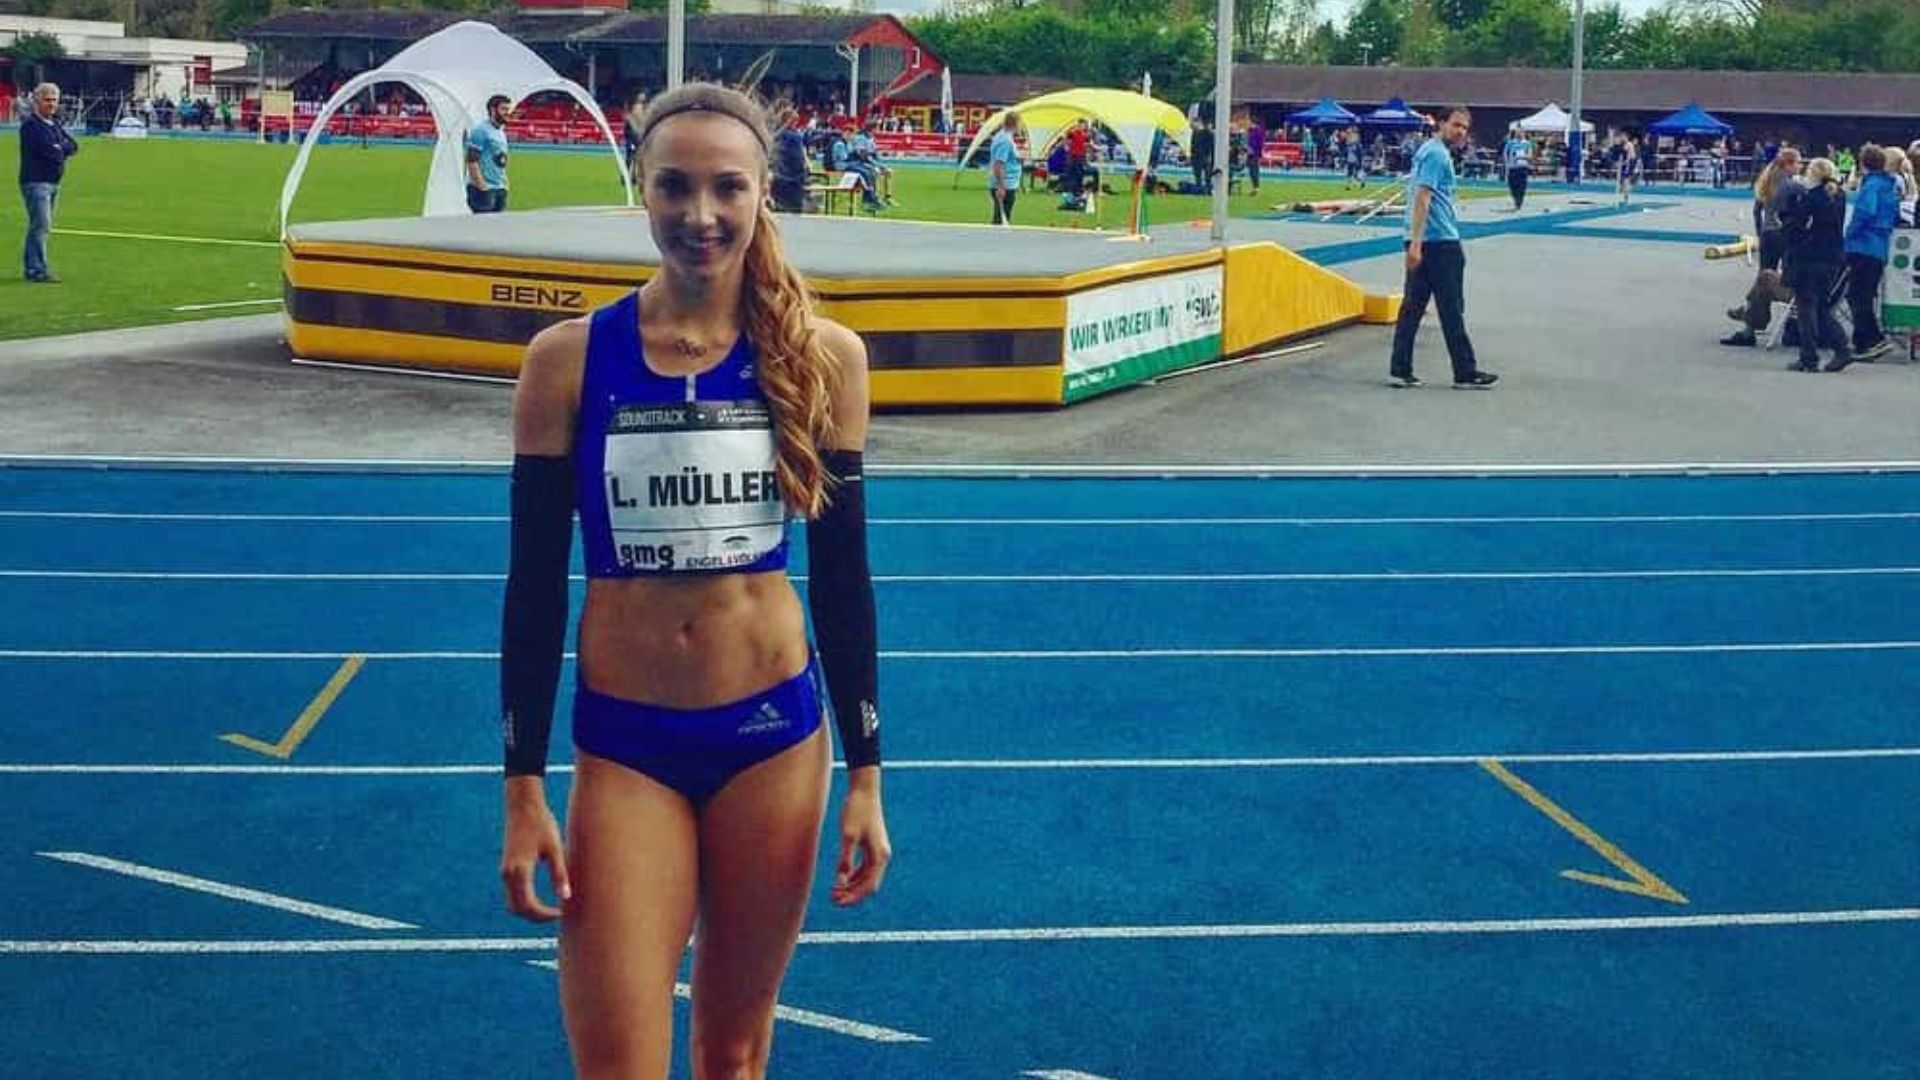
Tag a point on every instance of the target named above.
point(951, 314)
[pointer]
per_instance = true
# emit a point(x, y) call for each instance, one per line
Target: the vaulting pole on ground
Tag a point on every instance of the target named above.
point(676, 42)
point(1222, 113)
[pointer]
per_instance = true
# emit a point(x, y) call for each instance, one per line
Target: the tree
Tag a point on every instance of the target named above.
point(1516, 33)
point(33, 51)
point(1372, 34)
point(1423, 41)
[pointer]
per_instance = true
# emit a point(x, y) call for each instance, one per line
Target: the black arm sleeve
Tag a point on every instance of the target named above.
point(840, 596)
point(533, 623)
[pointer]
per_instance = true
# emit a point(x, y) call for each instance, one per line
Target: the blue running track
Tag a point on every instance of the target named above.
point(1189, 778)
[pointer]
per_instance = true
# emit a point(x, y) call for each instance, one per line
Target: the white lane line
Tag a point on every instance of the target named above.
point(803, 1017)
point(1305, 653)
point(1418, 928)
point(1365, 929)
point(1023, 579)
point(228, 304)
point(215, 240)
point(1149, 470)
point(1033, 764)
point(352, 519)
point(1040, 522)
point(230, 892)
point(1061, 1074)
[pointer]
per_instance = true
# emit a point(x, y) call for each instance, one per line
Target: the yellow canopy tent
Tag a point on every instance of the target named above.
point(1131, 116)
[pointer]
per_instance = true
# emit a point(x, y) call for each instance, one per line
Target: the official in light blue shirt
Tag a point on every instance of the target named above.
point(487, 158)
point(1436, 263)
point(1433, 170)
point(1518, 153)
point(1003, 170)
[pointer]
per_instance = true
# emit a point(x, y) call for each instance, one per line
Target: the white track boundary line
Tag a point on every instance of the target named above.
point(215, 240)
point(1034, 764)
point(1658, 574)
point(229, 892)
point(803, 1017)
point(229, 304)
point(1413, 928)
point(989, 470)
point(1026, 522)
point(1302, 653)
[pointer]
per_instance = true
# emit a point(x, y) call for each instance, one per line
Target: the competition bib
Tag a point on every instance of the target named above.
point(691, 486)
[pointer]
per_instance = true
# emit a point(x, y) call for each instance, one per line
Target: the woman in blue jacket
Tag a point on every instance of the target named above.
point(1869, 237)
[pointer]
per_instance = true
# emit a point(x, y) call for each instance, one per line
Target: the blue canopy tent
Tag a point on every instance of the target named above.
point(1394, 114)
point(1692, 120)
point(1328, 113)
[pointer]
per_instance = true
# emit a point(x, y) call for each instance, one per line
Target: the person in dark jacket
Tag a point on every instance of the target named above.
point(45, 147)
point(1814, 247)
point(790, 167)
point(1775, 190)
point(1867, 242)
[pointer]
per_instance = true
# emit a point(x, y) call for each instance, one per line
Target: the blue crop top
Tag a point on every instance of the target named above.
point(673, 474)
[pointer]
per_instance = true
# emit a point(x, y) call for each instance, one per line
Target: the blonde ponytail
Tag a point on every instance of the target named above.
point(797, 372)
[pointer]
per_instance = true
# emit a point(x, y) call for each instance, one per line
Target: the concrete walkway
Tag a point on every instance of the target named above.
point(1603, 328)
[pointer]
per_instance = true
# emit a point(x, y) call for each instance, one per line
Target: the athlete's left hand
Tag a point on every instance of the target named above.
point(865, 850)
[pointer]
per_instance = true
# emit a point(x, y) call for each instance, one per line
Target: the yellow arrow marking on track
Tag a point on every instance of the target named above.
point(310, 717)
point(1645, 882)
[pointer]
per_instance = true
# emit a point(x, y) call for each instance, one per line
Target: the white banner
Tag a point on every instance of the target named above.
point(1121, 334)
point(1900, 288)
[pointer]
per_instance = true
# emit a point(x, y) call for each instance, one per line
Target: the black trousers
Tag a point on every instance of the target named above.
point(1813, 305)
point(1863, 289)
point(1517, 186)
point(1440, 277)
point(1002, 206)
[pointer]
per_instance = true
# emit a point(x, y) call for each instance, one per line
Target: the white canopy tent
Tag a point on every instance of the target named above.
point(1552, 119)
point(456, 71)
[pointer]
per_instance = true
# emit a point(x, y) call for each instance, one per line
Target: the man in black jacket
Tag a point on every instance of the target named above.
point(44, 149)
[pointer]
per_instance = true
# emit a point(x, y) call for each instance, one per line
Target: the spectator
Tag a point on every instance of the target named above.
point(1518, 155)
point(1900, 167)
point(1776, 189)
point(1256, 147)
point(1073, 179)
point(1354, 157)
point(1867, 243)
point(630, 130)
point(1814, 251)
point(1003, 170)
point(866, 157)
point(1201, 156)
point(790, 168)
point(487, 158)
point(45, 147)
point(840, 159)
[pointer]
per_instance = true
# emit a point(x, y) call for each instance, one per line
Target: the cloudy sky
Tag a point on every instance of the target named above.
point(1329, 9)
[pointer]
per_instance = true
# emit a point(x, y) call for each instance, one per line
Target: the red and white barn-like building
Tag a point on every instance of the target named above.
point(844, 69)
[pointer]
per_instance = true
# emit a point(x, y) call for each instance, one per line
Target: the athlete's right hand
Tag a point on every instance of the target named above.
point(532, 837)
point(1413, 256)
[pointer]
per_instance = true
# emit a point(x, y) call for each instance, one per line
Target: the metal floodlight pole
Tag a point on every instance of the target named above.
point(1575, 139)
point(1222, 112)
point(851, 54)
point(676, 42)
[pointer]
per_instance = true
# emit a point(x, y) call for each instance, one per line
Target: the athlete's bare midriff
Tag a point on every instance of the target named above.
point(693, 641)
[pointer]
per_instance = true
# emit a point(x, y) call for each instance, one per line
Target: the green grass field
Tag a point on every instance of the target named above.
point(194, 221)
